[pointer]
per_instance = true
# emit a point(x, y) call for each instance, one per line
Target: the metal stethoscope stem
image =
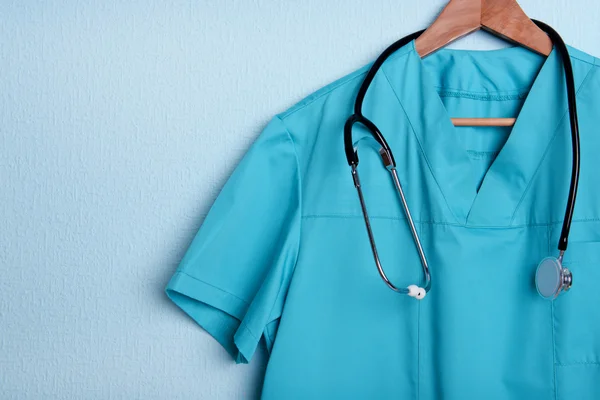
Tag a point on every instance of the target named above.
point(394, 173)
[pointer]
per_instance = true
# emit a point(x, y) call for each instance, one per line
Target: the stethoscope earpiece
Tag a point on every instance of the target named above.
point(551, 278)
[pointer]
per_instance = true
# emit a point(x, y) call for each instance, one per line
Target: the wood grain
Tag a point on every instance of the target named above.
point(504, 18)
point(457, 19)
point(483, 121)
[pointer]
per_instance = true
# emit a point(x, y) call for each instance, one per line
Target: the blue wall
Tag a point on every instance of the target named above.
point(119, 123)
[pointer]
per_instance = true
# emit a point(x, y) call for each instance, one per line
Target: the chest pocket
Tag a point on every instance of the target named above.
point(576, 316)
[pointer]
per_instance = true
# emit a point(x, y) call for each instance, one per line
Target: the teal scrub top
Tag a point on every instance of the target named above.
point(283, 255)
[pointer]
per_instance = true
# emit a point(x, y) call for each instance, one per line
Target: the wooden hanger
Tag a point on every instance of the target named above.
point(503, 18)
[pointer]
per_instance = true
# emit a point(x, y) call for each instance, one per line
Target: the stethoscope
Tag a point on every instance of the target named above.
point(551, 277)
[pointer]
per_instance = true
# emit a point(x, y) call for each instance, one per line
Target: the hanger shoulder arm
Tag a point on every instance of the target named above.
point(457, 19)
point(505, 18)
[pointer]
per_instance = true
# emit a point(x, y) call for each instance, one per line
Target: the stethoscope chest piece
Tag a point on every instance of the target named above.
point(551, 278)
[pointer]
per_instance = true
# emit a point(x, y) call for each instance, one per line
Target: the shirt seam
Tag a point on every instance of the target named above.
point(526, 191)
point(539, 166)
point(575, 364)
point(269, 337)
point(213, 286)
point(540, 224)
point(419, 142)
point(419, 348)
point(517, 91)
point(481, 96)
point(554, 351)
point(549, 234)
point(243, 323)
point(299, 186)
point(350, 78)
point(585, 61)
point(334, 86)
point(342, 81)
point(300, 213)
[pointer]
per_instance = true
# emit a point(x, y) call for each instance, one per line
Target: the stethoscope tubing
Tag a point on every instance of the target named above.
point(574, 125)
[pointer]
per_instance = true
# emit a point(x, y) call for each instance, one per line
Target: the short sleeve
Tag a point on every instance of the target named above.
point(234, 276)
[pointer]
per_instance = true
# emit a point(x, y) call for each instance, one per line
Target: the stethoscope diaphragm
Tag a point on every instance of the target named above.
point(551, 278)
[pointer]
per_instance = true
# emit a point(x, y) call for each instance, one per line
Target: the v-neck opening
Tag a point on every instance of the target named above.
point(454, 131)
point(510, 172)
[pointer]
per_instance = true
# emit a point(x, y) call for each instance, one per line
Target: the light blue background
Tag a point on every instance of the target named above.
point(119, 123)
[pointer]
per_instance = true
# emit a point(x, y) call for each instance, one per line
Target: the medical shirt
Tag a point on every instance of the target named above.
point(283, 255)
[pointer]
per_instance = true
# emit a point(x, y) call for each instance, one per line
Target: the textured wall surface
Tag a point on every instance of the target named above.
point(119, 123)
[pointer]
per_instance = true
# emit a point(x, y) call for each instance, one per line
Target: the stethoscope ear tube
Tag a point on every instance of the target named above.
point(351, 154)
